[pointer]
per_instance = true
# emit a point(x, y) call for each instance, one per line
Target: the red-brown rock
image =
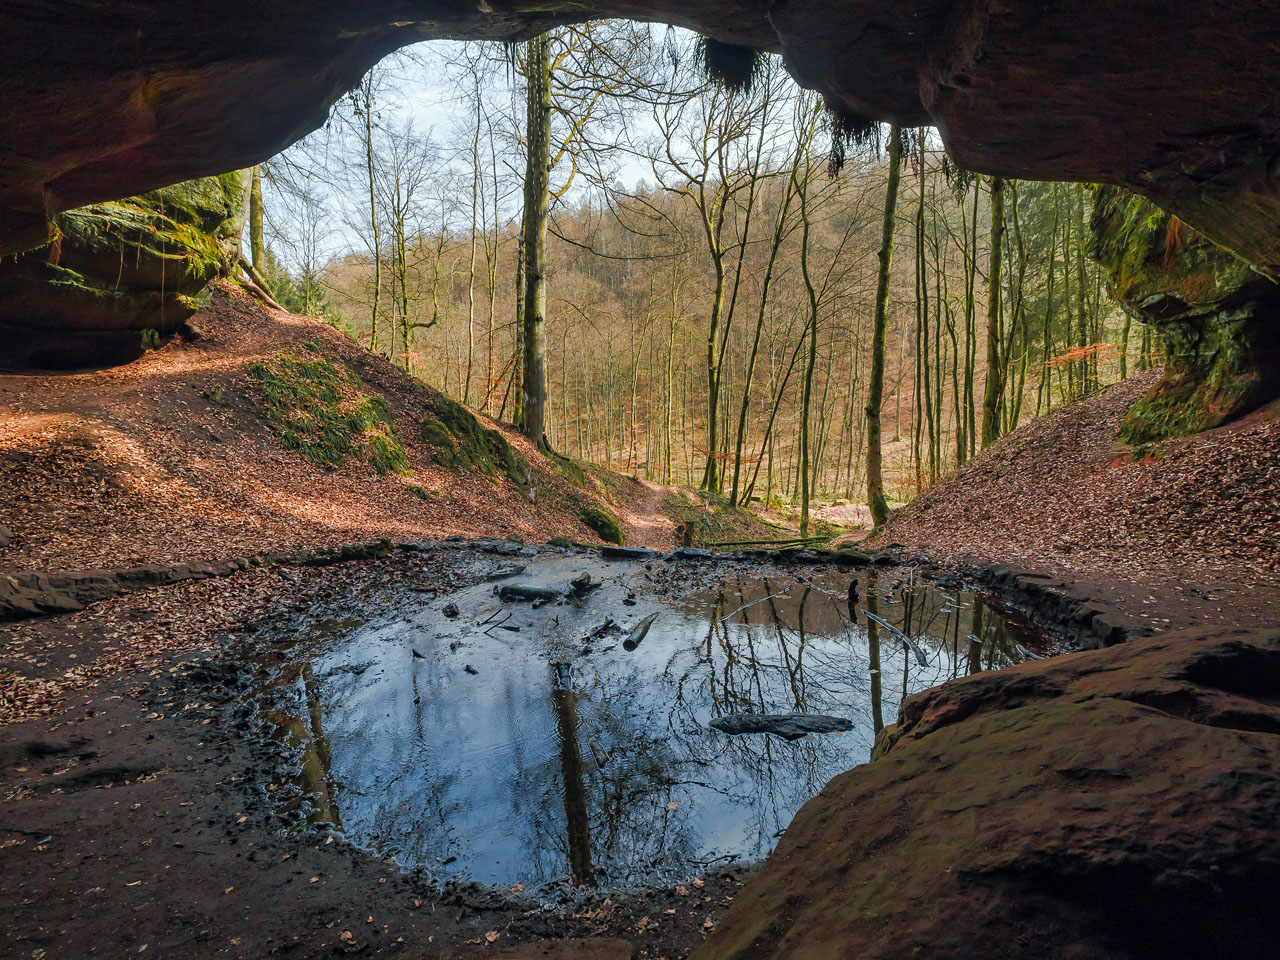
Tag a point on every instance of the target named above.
point(1116, 803)
point(1172, 98)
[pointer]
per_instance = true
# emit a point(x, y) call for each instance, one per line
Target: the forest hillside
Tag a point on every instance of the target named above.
point(261, 430)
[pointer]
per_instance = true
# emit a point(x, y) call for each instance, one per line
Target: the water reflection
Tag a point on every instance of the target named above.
point(621, 780)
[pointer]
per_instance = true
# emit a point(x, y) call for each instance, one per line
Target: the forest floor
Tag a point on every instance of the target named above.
point(128, 793)
point(168, 459)
point(1182, 533)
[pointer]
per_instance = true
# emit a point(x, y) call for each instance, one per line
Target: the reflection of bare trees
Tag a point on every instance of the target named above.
point(304, 730)
point(565, 704)
point(430, 768)
point(873, 656)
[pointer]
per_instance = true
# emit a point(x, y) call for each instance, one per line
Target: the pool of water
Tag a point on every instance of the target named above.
point(513, 742)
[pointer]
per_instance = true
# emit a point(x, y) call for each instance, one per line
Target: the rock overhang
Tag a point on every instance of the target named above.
point(1173, 99)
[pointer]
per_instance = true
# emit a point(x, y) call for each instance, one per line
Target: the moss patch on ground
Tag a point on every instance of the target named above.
point(605, 524)
point(460, 441)
point(566, 468)
point(707, 519)
point(324, 414)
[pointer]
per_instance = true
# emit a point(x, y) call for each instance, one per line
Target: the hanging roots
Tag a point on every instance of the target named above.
point(958, 178)
point(849, 131)
point(733, 67)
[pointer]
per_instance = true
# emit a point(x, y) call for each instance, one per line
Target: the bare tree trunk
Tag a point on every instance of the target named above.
point(806, 481)
point(994, 388)
point(536, 189)
point(370, 172)
point(471, 264)
point(875, 393)
point(257, 251)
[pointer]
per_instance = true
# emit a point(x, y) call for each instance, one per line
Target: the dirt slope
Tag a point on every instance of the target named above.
point(1190, 526)
point(168, 459)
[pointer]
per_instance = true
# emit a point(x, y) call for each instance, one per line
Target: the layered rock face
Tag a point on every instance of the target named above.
point(116, 277)
point(1173, 98)
point(1219, 318)
point(1110, 804)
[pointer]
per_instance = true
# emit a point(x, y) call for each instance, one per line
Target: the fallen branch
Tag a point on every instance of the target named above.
point(796, 542)
point(257, 286)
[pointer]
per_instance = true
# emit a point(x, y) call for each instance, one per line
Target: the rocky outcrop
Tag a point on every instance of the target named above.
point(1216, 314)
point(1173, 98)
point(1113, 803)
point(116, 277)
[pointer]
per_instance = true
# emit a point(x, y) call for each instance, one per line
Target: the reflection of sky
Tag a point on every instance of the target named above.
point(430, 762)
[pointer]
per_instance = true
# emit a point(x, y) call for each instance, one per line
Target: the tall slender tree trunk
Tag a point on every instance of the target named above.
point(994, 388)
point(1080, 290)
point(257, 251)
point(875, 391)
point(471, 263)
point(971, 329)
point(376, 238)
point(806, 478)
point(536, 189)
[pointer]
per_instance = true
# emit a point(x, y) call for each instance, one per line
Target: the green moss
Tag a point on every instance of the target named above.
point(460, 441)
point(422, 493)
point(437, 435)
point(559, 541)
point(605, 524)
point(567, 468)
point(324, 416)
point(1213, 312)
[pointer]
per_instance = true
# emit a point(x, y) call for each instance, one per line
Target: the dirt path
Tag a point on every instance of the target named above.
point(644, 516)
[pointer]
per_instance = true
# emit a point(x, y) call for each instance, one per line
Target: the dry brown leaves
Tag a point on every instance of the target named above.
point(1063, 494)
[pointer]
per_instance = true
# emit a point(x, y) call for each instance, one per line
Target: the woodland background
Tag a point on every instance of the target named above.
point(712, 266)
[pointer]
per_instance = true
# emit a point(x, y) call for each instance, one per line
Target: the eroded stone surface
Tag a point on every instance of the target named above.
point(1112, 803)
point(117, 276)
point(1173, 98)
point(1216, 314)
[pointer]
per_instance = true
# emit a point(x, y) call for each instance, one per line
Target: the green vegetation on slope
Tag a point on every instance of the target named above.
point(323, 413)
point(460, 440)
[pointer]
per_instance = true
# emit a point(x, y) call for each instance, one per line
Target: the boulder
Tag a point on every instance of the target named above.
point(1216, 315)
point(606, 526)
point(117, 277)
point(1113, 803)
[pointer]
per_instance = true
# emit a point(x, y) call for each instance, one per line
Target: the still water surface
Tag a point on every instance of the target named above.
point(563, 755)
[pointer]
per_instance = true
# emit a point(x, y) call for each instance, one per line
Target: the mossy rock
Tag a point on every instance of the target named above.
point(566, 468)
point(115, 277)
point(460, 441)
point(1215, 314)
point(441, 440)
point(324, 415)
point(605, 524)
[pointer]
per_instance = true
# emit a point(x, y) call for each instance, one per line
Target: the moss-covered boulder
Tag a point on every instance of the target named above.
point(1219, 319)
point(605, 524)
point(116, 277)
point(459, 440)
